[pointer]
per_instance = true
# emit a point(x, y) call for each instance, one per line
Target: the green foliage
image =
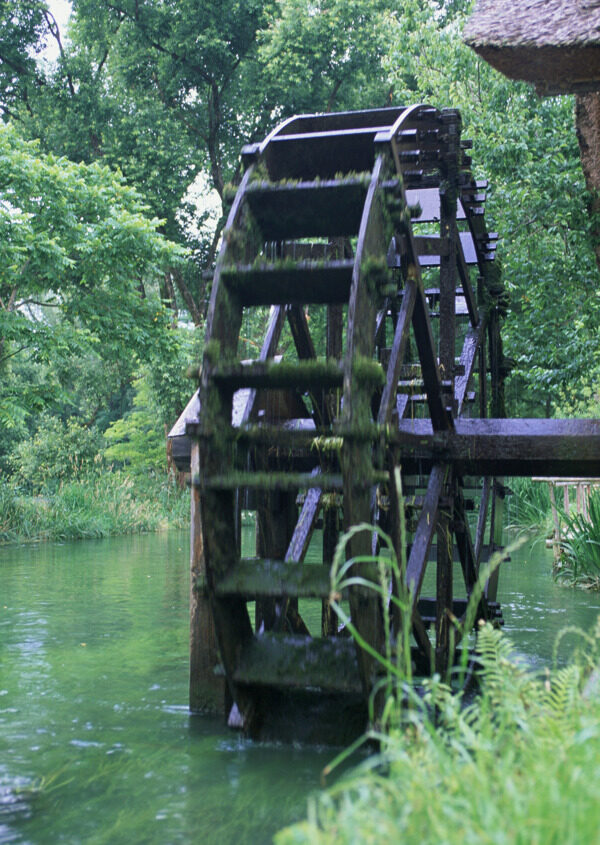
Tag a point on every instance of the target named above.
point(138, 439)
point(527, 149)
point(57, 452)
point(518, 763)
point(529, 506)
point(326, 57)
point(580, 558)
point(75, 246)
point(96, 505)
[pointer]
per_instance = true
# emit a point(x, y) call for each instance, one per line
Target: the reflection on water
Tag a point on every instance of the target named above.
point(96, 743)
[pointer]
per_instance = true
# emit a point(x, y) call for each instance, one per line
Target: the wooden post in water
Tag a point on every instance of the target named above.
point(207, 685)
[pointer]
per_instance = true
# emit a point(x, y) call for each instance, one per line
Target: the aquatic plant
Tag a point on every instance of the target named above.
point(92, 506)
point(580, 547)
point(529, 506)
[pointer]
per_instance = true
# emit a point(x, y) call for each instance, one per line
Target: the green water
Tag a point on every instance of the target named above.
point(96, 743)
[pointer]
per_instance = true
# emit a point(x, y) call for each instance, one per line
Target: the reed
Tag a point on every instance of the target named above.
point(92, 506)
point(529, 507)
point(580, 548)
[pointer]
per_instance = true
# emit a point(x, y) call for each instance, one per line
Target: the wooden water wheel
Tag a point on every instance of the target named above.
point(372, 221)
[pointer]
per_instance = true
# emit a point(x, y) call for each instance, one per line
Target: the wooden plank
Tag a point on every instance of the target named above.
point(300, 332)
point(268, 350)
point(288, 481)
point(447, 345)
point(259, 578)
point(464, 543)
point(468, 357)
point(275, 518)
point(528, 447)
point(465, 280)
point(444, 593)
point(303, 375)
point(224, 315)
point(398, 351)
point(285, 661)
point(496, 531)
point(429, 365)
point(481, 520)
point(331, 533)
point(426, 526)
point(207, 689)
point(283, 283)
point(422, 639)
point(308, 209)
point(305, 526)
point(321, 154)
point(448, 229)
point(356, 456)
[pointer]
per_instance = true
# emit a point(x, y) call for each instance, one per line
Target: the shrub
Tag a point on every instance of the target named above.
point(57, 452)
point(138, 439)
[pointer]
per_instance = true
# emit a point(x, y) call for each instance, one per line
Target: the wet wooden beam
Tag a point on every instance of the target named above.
point(388, 399)
point(419, 553)
point(207, 689)
point(268, 350)
point(503, 447)
point(468, 358)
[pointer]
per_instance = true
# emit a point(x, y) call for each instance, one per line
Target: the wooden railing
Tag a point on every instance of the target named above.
point(580, 501)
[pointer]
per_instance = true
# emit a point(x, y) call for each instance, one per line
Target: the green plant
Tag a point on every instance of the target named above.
point(529, 506)
point(93, 506)
point(57, 452)
point(517, 764)
point(138, 439)
point(580, 548)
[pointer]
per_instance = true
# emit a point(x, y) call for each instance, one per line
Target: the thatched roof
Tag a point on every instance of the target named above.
point(553, 43)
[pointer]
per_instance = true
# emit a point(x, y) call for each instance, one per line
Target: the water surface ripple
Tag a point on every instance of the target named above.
point(96, 742)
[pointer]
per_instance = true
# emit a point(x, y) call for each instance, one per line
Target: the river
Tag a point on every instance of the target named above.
point(96, 742)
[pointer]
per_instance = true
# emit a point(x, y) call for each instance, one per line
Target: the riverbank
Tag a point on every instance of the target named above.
point(93, 506)
point(518, 764)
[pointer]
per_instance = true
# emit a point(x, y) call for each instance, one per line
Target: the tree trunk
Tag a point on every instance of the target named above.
point(587, 122)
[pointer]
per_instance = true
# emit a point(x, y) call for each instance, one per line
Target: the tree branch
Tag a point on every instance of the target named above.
point(12, 354)
point(191, 306)
point(55, 32)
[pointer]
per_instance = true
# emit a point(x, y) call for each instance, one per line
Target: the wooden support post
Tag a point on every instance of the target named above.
point(496, 527)
point(331, 532)
point(207, 685)
point(275, 520)
point(448, 230)
point(331, 515)
point(556, 541)
point(443, 590)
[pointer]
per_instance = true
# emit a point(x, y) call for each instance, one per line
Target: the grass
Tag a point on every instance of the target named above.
point(529, 507)
point(519, 763)
point(92, 506)
point(580, 550)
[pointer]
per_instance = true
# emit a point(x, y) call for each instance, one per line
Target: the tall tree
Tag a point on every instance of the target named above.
point(528, 150)
point(75, 248)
